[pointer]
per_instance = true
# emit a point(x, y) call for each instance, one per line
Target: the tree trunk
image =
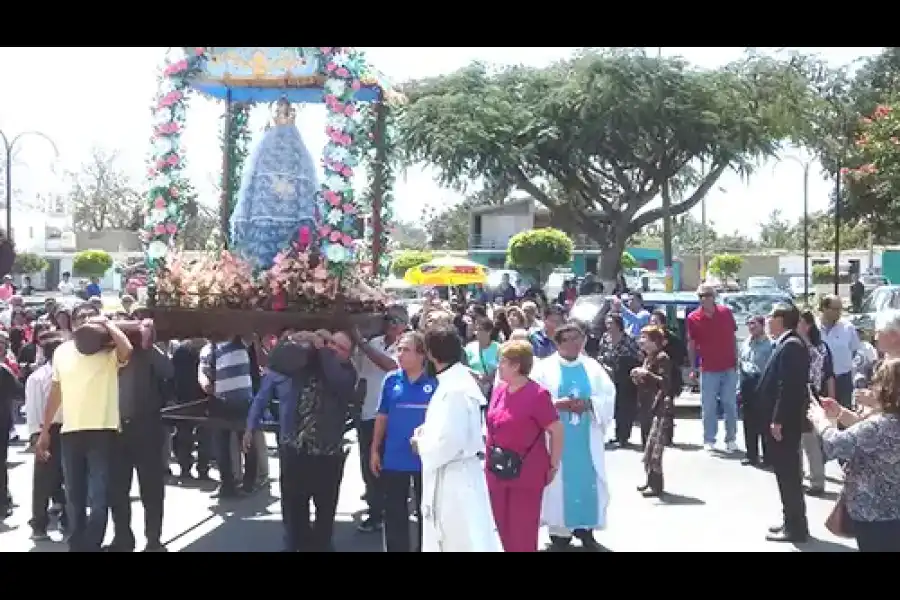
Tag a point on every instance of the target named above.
point(611, 255)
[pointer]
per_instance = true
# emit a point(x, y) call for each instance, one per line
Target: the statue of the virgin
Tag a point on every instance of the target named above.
point(278, 195)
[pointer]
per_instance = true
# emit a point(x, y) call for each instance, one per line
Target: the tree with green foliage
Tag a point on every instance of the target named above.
point(539, 251)
point(628, 261)
point(27, 263)
point(823, 274)
point(726, 266)
point(598, 137)
point(92, 263)
point(407, 259)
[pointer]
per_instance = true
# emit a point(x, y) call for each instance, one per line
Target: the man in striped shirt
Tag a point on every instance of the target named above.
point(234, 388)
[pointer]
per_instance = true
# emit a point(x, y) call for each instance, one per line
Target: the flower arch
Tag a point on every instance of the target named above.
point(344, 71)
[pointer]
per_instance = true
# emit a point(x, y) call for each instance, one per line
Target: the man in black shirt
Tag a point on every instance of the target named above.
point(313, 448)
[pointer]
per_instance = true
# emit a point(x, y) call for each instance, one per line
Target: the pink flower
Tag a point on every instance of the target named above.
point(330, 99)
point(333, 198)
point(349, 209)
point(171, 228)
point(199, 51)
point(356, 85)
point(347, 172)
point(330, 67)
point(342, 72)
point(349, 110)
point(324, 230)
point(159, 230)
point(346, 240)
point(346, 140)
point(304, 236)
point(335, 236)
point(151, 172)
point(159, 203)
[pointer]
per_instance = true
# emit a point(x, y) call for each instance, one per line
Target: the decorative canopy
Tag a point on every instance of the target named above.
point(267, 74)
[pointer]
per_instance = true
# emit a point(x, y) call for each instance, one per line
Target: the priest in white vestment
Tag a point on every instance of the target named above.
point(456, 509)
point(576, 500)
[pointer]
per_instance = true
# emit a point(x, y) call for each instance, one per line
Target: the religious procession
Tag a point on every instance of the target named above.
point(480, 421)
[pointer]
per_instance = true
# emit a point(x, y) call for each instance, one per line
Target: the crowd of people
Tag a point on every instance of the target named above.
point(489, 419)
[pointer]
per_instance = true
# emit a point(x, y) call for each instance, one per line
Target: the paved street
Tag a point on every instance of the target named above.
point(714, 504)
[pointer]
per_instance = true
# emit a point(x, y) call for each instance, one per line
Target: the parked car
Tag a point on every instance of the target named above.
point(758, 283)
point(744, 305)
point(870, 282)
point(795, 286)
point(886, 297)
point(556, 281)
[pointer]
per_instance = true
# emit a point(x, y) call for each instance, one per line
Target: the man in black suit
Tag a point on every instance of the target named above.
point(784, 385)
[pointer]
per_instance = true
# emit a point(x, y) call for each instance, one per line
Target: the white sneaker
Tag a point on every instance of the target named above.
point(731, 447)
point(709, 447)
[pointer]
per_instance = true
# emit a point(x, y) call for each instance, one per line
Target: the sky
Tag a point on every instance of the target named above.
point(102, 99)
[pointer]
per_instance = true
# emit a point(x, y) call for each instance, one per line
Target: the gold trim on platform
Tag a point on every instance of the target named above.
point(307, 81)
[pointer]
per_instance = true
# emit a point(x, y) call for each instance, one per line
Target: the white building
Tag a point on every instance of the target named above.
point(852, 261)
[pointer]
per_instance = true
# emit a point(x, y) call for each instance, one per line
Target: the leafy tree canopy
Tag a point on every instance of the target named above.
point(92, 263)
point(597, 137)
point(726, 266)
point(628, 261)
point(407, 259)
point(540, 251)
point(27, 263)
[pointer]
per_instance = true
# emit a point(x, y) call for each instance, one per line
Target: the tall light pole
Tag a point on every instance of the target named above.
point(806, 165)
point(9, 146)
point(667, 217)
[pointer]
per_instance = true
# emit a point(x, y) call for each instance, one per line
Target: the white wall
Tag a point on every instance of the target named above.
point(792, 264)
point(497, 229)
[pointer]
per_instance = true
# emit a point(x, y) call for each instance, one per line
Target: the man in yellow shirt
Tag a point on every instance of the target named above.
point(86, 387)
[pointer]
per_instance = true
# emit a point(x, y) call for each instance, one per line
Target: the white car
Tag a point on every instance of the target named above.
point(759, 283)
point(556, 281)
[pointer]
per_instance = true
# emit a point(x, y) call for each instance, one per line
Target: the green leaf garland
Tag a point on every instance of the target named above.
point(238, 147)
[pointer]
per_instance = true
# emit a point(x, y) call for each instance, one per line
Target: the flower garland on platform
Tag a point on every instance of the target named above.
point(342, 68)
point(164, 215)
point(238, 148)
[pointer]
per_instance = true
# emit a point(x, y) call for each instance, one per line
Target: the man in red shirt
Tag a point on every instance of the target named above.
point(711, 338)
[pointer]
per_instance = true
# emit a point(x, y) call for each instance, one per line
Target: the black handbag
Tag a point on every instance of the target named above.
point(507, 464)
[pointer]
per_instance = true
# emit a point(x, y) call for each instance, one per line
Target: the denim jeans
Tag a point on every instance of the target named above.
point(86, 471)
point(718, 387)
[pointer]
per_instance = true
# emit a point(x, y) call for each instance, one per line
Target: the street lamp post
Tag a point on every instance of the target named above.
point(9, 146)
point(806, 164)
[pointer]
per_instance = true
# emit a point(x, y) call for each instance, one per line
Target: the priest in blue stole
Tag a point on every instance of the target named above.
point(575, 502)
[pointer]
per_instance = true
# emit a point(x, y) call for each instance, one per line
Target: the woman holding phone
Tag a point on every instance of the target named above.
point(821, 383)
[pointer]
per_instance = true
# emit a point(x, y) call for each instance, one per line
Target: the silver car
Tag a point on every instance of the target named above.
point(748, 304)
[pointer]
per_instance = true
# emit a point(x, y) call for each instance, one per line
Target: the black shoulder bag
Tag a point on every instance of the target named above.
point(507, 464)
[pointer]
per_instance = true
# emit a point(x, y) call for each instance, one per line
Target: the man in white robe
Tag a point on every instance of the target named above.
point(456, 509)
point(576, 500)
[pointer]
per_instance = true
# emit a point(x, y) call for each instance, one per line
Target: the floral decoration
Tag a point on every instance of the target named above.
point(299, 280)
point(165, 208)
point(342, 69)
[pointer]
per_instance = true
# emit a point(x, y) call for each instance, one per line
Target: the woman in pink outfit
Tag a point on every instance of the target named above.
point(518, 464)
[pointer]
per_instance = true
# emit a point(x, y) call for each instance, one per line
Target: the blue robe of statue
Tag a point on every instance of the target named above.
point(278, 195)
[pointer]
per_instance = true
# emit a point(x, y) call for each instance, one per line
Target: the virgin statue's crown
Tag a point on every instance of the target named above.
point(284, 112)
